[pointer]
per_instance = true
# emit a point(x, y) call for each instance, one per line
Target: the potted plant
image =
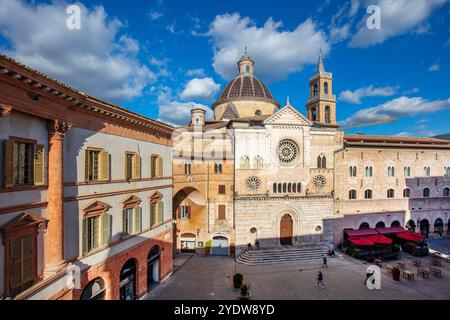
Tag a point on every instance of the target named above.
point(396, 273)
point(244, 294)
point(237, 280)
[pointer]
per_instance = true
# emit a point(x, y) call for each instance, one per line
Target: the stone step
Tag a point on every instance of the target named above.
point(277, 261)
point(258, 253)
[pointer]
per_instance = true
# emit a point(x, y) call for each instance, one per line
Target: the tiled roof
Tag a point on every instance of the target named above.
point(361, 139)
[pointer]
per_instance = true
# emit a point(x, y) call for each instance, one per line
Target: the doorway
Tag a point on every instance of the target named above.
point(286, 228)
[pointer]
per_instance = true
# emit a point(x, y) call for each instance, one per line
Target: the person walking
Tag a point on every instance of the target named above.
point(249, 246)
point(324, 265)
point(320, 279)
point(257, 244)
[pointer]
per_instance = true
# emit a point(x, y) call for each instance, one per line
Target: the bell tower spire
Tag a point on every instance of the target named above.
point(321, 105)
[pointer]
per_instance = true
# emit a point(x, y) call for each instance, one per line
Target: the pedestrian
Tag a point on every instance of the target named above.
point(257, 244)
point(320, 279)
point(324, 265)
point(249, 246)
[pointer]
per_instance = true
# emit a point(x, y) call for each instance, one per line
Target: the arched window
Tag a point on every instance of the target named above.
point(284, 187)
point(364, 225)
point(426, 192)
point(315, 90)
point(380, 225)
point(446, 171)
point(368, 171)
point(446, 192)
point(314, 114)
point(325, 87)
point(406, 193)
point(274, 188)
point(279, 188)
point(391, 172)
point(289, 187)
point(294, 188)
point(258, 113)
point(411, 226)
point(407, 171)
point(187, 168)
point(258, 162)
point(438, 226)
point(368, 194)
point(424, 227)
point(426, 171)
point(244, 162)
point(299, 187)
point(352, 171)
point(352, 194)
point(395, 223)
point(390, 193)
point(247, 68)
point(327, 115)
point(94, 290)
point(321, 161)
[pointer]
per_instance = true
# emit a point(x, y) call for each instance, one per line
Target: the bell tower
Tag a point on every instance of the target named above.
point(321, 105)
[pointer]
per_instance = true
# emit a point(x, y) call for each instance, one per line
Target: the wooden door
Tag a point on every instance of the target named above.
point(286, 230)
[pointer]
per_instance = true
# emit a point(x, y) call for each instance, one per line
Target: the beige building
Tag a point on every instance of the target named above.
point(299, 179)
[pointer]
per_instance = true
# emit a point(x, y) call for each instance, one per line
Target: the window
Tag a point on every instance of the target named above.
point(156, 164)
point(368, 171)
point(299, 187)
point(368, 194)
point(426, 192)
point(244, 162)
point(187, 168)
point(132, 221)
point(426, 171)
point(23, 162)
point(294, 188)
point(314, 114)
point(132, 166)
point(221, 189)
point(222, 212)
point(96, 165)
point(274, 190)
point(321, 162)
point(258, 162)
point(289, 187)
point(279, 188)
point(391, 172)
point(156, 210)
point(380, 225)
point(406, 193)
point(217, 168)
point(284, 187)
point(94, 290)
point(184, 212)
point(352, 171)
point(446, 171)
point(315, 90)
point(325, 87)
point(390, 193)
point(327, 115)
point(407, 171)
point(22, 263)
point(258, 113)
point(247, 68)
point(364, 225)
point(352, 194)
point(446, 192)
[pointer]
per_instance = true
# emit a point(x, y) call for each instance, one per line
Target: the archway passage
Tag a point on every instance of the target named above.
point(153, 263)
point(128, 281)
point(188, 243)
point(286, 228)
point(364, 225)
point(424, 227)
point(395, 223)
point(95, 290)
point(380, 225)
point(411, 226)
point(219, 246)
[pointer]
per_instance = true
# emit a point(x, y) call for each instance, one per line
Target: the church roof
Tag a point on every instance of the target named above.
point(394, 141)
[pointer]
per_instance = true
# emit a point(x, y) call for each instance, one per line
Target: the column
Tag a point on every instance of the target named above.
point(54, 237)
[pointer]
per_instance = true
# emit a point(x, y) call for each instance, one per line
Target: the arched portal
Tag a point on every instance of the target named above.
point(395, 223)
point(380, 225)
point(219, 246)
point(153, 266)
point(128, 280)
point(411, 226)
point(425, 227)
point(94, 290)
point(286, 230)
point(364, 225)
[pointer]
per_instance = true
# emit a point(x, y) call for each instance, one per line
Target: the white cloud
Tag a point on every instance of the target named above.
point(400, 107)
point(195, 72)
point(397, 18)
point(96, 59)
point(403, 134)
point(155, 15)
point(276, 52)
point(203, 89)
point(370, 91)
point(413, 90)
point(434, 67)
point(176, 112)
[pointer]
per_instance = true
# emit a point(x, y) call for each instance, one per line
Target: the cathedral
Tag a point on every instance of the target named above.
point(265, 172)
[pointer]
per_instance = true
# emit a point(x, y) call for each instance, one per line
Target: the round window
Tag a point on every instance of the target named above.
point(318, 228)
point(253, 230)
point(319, 182)
point(253, 183)
point(287, 151)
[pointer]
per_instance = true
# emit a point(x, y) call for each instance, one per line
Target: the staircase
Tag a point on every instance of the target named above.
point(285, 254)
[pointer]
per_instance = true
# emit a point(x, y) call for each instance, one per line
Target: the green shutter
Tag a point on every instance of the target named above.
point(138, 220)
point(86, 165)
point(160, 212)
point(106, 229)
point(124, 222)
point(8, 163)
point(84, 236)
point(39, 163)
point(160, 166)
point(104, 165)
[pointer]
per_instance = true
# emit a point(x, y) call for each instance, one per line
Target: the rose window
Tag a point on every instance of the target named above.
point(319, 182)
point(287, 151)
point(253, 183)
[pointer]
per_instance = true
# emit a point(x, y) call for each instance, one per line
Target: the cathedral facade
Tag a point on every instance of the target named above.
point(287, 179)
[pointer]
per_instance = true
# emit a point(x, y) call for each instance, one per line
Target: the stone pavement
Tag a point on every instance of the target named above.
point(210, 277)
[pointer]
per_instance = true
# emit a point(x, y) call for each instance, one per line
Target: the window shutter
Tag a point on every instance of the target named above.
point(104, 158)
point(106, 230)
point(39, 165)
point(221, 212)
point(27, 256)
point(160, 212)
point(179, 212)
point(137, 166)
point(85, 237)
point(138, 220)
point(15, 264)
point(8, 173)
point(189, 212)
point(160, 166)
point(86, 165)
point(124, 223)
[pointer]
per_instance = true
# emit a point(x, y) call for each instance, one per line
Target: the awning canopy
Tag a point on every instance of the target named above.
point(379, 239)
point(360, 241)
point(361, 232)
point(390, 230)
point(410, 236)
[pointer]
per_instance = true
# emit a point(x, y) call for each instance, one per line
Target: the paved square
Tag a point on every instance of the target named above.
point(210, 277)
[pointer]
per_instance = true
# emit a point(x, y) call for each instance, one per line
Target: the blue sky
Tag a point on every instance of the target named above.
point(160, 57)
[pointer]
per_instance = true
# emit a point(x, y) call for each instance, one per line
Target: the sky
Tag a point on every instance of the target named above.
point(161, 58)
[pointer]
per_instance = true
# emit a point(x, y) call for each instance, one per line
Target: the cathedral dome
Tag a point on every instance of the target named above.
point(246, 87)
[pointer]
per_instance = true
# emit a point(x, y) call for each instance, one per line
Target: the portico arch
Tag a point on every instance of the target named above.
point(277, 223)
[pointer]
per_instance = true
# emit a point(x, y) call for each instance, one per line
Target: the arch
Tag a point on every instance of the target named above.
point(289, 187)
point(244, 162)
point(352, 194)
point(380, 225)
point(364, 225)
point(284, 187)
point(446, 192)
point(274, 190)
point(315, 90)
point(188, 242)
point(314, 114)
point(127, 280)
point(294, 188)
point(406, 193)
point(426, 192)
point(368, 194)
point(352, 171)
point(411, 225)
point(395, 223)
point(94, 290)
point(321, 161)
point(368, 171)
point(424, 227)
point(220, 245)
point(153, 267)
point(258, 162)
point(258, 113)
point(439, 226)
point(426, 171)
point(407, 171)
point(286, 229)
point(327, 114)
point(299, 187)
point(279, 188)
point(325, 87)
point(390, 193)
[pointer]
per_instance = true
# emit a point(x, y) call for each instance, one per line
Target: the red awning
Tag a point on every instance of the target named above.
point(361, 232)
point(390, 230)
point(379, 239)
point(410, 236)
point(360, 241)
